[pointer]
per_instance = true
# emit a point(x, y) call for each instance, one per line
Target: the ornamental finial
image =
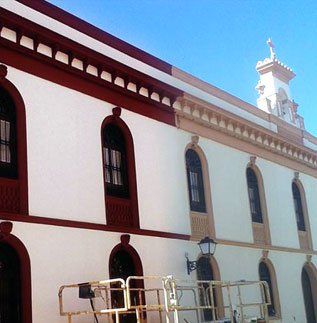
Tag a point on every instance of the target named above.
point(271, 46)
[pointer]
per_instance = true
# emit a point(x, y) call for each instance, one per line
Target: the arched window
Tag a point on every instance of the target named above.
point(8, 142)
point(125, 262)
point(15, 278)
point(10, 286)
point(204, 272)
point(13, 161)
point(195, 181)
point(265, 275)
point(115, 162)
point(309, 286)
point(284, 103)
point(207, 270)
point(254, 196)
point(119, 172)
point(298, 207)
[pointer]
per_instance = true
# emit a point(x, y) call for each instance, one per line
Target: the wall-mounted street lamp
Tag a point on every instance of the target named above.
point(207, 247)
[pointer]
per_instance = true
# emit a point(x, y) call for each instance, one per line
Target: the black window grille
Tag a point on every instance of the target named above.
point(265, 275)
point(298, 208)
point(8, 142)
point(254, 196)
point(195, 182)
point(115, 162)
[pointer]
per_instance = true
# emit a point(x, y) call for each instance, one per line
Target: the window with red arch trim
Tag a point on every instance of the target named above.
point(119, 172)
point(13, 150)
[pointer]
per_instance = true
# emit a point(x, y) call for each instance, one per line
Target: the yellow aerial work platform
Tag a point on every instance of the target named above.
point(156, 299)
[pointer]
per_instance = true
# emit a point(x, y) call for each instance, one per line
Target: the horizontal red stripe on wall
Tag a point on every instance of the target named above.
point(90, 226)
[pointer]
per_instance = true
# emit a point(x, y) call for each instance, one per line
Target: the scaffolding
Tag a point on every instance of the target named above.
point(147, 299)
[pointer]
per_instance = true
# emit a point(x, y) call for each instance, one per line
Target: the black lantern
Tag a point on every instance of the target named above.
point(207, 247)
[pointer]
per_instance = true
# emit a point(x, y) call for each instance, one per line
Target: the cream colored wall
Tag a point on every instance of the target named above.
point(288, 268)
point(279, 200)
point(229, 192)
point(230, 200)
point(310, 187)
point(237, 263)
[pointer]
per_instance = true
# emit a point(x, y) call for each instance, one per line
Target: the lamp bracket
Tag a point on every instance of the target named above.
point(191, 265)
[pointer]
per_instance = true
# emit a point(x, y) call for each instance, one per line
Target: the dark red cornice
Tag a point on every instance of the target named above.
point(60, 74)
point(90, 226)
point(72, 21)
point(48, 67)
point(40, 34)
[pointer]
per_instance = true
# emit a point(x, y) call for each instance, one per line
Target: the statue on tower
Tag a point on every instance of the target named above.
point(271, 46)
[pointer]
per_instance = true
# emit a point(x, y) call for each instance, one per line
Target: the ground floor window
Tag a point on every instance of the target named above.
point(309, 293)
point(10, 285)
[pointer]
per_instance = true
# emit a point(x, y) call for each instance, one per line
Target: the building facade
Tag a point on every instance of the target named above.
point(110, 156)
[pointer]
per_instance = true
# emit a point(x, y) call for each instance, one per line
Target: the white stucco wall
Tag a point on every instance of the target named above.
point(229, 192)
point(279, 200)
point(59, 121)
point(310, 188)
point(64, 150)
point(65, 158)
point(77, 255)
point(161, 174)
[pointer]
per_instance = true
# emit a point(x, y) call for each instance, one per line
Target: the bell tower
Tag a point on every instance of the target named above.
point(274, 91)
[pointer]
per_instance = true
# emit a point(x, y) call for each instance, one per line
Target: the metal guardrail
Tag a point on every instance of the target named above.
point(169, 298)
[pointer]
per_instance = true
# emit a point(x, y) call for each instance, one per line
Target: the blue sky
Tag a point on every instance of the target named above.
point(218, 41)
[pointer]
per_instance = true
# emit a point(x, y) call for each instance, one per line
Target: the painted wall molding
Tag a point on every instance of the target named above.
point(210, 116)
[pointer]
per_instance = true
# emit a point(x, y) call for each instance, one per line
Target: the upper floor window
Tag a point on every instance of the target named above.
point(115, 161)
point(119, 172)
point(254, 196)
point(8, 147)
point(195, 181)
point(298, 207)
point(13, 150)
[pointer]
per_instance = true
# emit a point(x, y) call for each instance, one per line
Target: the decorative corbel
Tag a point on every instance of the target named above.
point(309, 258)
point(125, 239)
point(265, 253)
point(5, 229)
point(3, 72)
point(252, 160)
point(195, 140)
point(296, 176)
point(116, 112)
